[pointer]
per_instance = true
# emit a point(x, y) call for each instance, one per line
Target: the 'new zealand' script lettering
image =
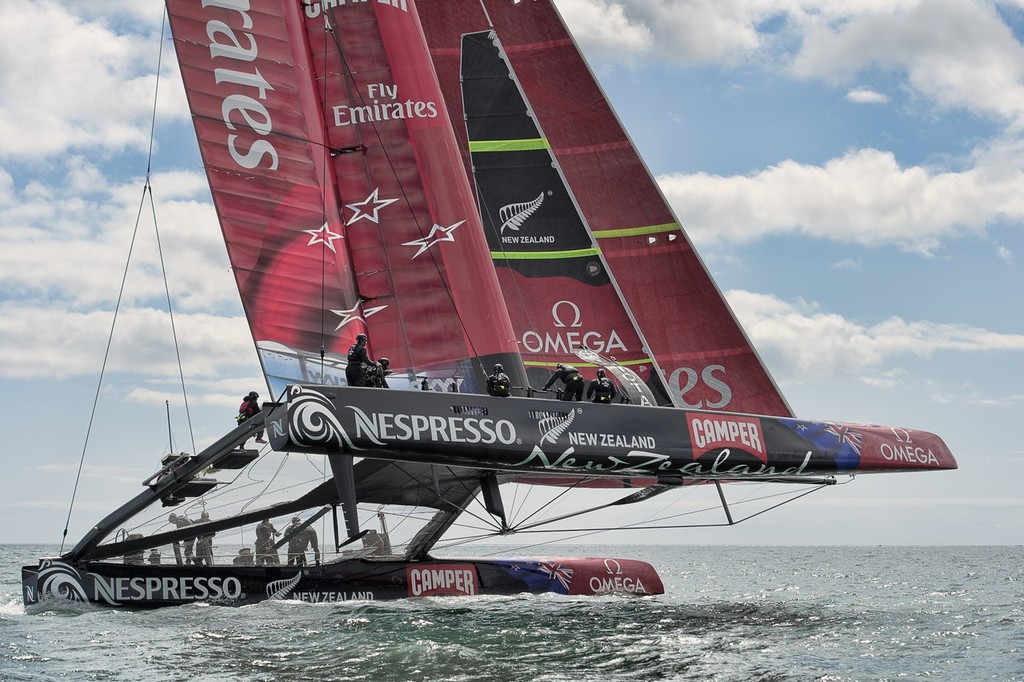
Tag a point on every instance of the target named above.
point(723, 466)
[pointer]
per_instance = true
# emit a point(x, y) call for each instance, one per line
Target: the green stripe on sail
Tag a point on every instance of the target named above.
point(543, 255)
point(636, 231)
point(508, 145)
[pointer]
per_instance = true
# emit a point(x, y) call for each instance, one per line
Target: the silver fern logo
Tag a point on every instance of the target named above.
point(61, 580)
point(514, 215)
point(280, 589)
point(554, 425)
point(311, 419)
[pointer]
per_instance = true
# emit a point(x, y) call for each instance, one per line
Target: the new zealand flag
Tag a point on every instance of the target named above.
point(839, 440)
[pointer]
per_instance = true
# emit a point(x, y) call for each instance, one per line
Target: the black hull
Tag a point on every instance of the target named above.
point(540, 436)
point(149, 586)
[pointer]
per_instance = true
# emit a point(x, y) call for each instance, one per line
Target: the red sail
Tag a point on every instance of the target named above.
point(707, 360)
point(328, 151)
point(265, 164)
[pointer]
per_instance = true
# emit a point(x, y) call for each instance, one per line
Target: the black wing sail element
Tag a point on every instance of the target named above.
point(556, 284)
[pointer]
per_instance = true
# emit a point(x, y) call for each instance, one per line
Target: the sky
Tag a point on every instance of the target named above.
point(851, 173)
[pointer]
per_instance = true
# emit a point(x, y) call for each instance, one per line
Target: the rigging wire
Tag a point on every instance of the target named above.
point(647, 524)
point(120, 293)
point(170, 314)
point(323, 243)
point(103, 368)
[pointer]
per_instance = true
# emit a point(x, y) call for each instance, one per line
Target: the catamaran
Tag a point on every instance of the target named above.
point(448, 178)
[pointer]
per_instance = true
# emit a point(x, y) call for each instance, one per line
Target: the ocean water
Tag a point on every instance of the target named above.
point(729, 613)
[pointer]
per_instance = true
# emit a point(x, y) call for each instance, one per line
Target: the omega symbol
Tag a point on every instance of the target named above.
point(577, 316)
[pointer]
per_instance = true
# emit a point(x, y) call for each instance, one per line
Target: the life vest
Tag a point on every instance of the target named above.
point(247, 409)
point(500, 385)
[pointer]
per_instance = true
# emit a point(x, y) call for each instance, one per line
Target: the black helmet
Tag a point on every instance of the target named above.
point(559, 366)
point(384, 362)
point(498, 367)
point(253, 395)
point(360, 337)
point(600, 374)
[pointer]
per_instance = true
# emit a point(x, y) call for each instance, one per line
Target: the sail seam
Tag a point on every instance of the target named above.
point(593, 148)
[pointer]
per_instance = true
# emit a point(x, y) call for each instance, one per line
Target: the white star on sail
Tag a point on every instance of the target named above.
point(352, 314)
point(376, 204)
point(323, 236)
point(426, 242)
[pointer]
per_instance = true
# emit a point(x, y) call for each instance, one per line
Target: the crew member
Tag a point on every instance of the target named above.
point(309, 539)
point(294, 545)
point(249, 408)
point(358, 358)
point(266, 555)
point(182, 522)
point(204, 544)
point(602, 389)
point(573, 381)
point(299, 542)
point(498, 384)
point(381, 375)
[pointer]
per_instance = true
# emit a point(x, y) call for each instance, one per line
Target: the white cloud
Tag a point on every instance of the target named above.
point(800, 340)
point(55, 343)
point(863, 197)
point(866, 96)
point(91, 87)
point(222, 393)
point(956, 53)
point(1003, 401)
point(604, 26)
point(86, 222)
point(849, 264)
point(701, 31)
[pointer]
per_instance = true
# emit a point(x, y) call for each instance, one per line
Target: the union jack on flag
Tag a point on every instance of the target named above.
point(557, 572)
point(838, 440)
point(845, 436)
